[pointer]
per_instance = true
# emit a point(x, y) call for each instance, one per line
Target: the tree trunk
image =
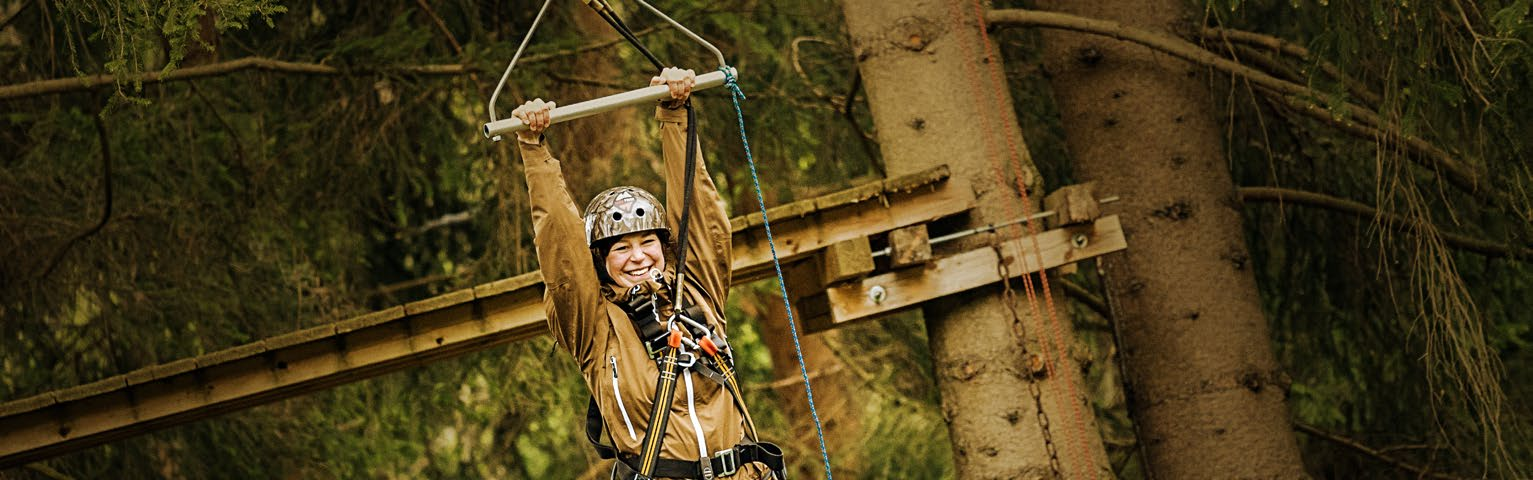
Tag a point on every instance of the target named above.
point(835, 388)
point(936, 98)
point(1206, 391)
point(834, 391)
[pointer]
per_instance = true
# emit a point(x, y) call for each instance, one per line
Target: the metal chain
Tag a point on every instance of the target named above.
point(1009, 296)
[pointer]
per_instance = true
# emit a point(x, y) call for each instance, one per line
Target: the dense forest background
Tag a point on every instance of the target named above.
point(338, 169)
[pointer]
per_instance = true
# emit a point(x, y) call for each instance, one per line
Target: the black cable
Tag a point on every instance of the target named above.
point(604, 11)
point(686, 206)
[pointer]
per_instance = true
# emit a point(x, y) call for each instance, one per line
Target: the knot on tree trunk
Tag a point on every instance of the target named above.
point(1256, 380)
point(914, 33)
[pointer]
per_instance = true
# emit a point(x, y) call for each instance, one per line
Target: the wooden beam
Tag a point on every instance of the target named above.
point(900, 289)
point(919, 197)
point(1072, 205)
point(446, 326)
point(909, 246)
point(846, 260)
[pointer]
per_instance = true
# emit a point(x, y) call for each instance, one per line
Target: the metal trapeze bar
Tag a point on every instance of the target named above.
point(495, 129)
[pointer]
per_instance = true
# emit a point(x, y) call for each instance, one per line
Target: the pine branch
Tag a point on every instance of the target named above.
point(1397, 222)
point(1267, 63)
point(88, 82)
point(1357, 446)
point(1085, 296)
point(441, 26)
point(75, 84)
point(594, 46)
point(17, 14)
point(1363, 120)
point(47, 471)
point(234, 135)
point(590, 82)
point(1355, 87)
point(106, 187)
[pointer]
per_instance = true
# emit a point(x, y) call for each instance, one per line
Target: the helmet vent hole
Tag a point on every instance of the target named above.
point(639, 212)
point(617, 216)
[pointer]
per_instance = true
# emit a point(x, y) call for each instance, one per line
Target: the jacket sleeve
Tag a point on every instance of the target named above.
point(708, 242)
point(572, 299)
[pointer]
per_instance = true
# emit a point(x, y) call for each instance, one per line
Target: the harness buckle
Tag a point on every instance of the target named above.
point(729, 462)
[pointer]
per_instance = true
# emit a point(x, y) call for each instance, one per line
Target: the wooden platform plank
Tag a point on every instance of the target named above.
point(798, 237)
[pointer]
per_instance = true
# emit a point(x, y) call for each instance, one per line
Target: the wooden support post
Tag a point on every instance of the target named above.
point(909, 246)
point(1073, 205)
point(846, 260)
point(808, 294)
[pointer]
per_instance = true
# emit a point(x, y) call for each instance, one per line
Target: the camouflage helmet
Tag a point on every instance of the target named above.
point(619, 211)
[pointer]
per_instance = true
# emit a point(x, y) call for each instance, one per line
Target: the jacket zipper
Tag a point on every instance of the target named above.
point(618, 394)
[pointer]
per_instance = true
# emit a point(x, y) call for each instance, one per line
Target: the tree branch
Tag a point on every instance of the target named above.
point(590, 82)
point(1438, 160)
point(442, 26)
point(17, 14)
point(593, 46)
point(88, 82)
point(234, 135)
point(862, 137)
point(106, 187)
point(446, 220)
point(1366, 450)
point(1268, 63)
point(1085, 296)
point(1397, 222)
point(786, 382)
point(74, 84)
point(47, 471)
point(1356, 88)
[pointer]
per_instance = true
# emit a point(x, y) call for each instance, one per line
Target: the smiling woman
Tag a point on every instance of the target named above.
point(617, 306)
point(634, 258)
point(618, 221)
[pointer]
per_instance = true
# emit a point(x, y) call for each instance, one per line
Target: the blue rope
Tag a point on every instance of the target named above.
point(735, 96)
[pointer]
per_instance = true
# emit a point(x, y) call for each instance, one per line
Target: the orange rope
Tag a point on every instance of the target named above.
point(1056, 343)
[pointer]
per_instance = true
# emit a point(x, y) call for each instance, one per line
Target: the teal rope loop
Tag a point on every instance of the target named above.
point(736, 96)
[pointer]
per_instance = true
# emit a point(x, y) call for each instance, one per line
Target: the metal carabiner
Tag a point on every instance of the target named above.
point(691, 359)
point(694, 323)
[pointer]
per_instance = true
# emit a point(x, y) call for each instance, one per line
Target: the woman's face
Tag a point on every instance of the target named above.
point(635, 257)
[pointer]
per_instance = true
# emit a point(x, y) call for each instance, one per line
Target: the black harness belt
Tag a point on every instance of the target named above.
point(722, 464)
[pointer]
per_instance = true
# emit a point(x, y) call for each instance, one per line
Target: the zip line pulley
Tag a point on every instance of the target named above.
point(497, 126)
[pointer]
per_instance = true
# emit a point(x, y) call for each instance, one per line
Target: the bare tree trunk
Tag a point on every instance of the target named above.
point(1206, 391)
point(835, 394)
point(834, 391)
point(928, 71)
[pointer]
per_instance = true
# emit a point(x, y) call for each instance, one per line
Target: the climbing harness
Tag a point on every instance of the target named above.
point(680, 344)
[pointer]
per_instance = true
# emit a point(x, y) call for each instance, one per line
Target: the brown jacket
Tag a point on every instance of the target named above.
point(598, 333)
